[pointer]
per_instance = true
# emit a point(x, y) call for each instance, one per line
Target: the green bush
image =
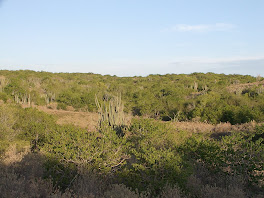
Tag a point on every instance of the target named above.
point(34, 126)
point(155, 162)
point(62, 106)
point(104, 152)
point(240, 154)
point(3, 96)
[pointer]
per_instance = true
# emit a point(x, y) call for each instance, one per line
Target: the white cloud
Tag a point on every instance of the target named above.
point(200, 27)
point(239, 65)
point(218, 60)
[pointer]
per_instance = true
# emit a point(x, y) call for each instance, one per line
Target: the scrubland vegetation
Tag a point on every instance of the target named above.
point(197, 135)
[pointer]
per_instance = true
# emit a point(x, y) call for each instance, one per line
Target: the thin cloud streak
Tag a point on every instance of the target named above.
point(236, 65)
point(218, 60)
point(218, 27)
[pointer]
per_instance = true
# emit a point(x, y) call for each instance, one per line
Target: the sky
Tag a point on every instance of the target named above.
point(133, 38)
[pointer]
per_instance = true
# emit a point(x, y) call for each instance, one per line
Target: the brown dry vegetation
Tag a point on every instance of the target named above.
point(235, 87)
point(22, 172)
point(87, 120)
point(23, 177)
point(12, 155)
point(198, 127)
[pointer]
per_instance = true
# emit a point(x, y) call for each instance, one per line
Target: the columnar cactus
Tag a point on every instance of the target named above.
point(111, 112)
point(3, 83)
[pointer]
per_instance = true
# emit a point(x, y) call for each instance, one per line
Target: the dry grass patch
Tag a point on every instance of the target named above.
point(87, 120)
point(201, 127)
point(15, 153)
point(233, 88)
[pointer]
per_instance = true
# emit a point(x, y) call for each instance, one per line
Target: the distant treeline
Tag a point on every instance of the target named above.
point(207, 97)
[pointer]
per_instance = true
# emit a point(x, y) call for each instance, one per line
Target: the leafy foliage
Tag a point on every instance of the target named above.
point(151, 157)
point(240, 154)
point(206, 97)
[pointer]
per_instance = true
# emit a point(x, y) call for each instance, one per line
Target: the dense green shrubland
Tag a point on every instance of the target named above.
point(238, 154)
point(207, 97)
point(149, 157)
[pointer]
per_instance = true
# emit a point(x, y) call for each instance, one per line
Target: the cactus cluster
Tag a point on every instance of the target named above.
point(195, 86)
point(49, 97)
point(111, 111)
point(20, 98)
point(3, 83)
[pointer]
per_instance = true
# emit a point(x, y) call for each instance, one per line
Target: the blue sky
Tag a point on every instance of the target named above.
point(127, 38)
